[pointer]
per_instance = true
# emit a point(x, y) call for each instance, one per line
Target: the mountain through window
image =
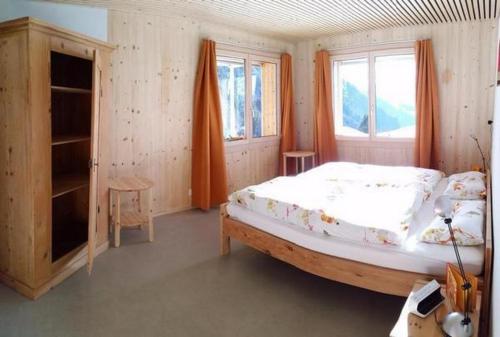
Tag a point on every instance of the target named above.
point(374, 94)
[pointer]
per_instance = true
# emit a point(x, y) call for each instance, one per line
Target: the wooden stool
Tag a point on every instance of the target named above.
point(298, 154)
point(136, 218)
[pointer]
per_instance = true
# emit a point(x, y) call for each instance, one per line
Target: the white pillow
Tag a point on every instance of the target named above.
point(467, 225)
point(466, 186)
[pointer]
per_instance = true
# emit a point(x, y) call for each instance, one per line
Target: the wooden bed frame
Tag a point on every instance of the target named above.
point(380, 279)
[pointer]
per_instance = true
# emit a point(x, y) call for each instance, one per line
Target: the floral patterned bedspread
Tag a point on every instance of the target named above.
point(357, 202)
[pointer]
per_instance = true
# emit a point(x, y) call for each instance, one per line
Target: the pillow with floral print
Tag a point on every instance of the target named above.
point(466, 186)
point(467, 225)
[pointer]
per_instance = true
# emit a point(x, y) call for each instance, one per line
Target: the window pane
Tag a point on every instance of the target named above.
point(395, 96)
point(231, 74)
point(264, 116)
point(351, 97)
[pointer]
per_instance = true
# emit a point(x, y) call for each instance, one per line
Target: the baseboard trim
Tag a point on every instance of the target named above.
point(173, 210)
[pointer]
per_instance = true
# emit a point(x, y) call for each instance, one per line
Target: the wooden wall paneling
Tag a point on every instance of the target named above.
point(130, 150)
point(271, 165)
point(477, 125)
point(304, 94)
point(452, 89)
point(41, 143)
point(154, 69)
point(478, 96)
point(465, 55)
point(462, 115)
point(237, 161)
point(16, 238)
point(154, 135)
point(264, 164)
point(179, 61)
point(376, 153)
point(447, 67)
point(162, 172)
point(251, 164)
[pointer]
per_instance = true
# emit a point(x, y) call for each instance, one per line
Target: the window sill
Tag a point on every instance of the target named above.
point(234, 139)
point(265, 139)
point(252, 142)
point(231, 143)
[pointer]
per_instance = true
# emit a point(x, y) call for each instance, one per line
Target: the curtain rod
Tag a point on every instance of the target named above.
point(246, 46)
point(376, 44)
point(274, 50)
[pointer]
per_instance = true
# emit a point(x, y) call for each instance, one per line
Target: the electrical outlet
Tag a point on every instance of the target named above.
point(190, 192)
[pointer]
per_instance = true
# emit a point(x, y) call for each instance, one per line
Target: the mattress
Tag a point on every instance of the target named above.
point(412, 255)
point(365, 203)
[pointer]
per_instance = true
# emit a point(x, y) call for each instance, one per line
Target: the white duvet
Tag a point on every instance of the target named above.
point(367, 203)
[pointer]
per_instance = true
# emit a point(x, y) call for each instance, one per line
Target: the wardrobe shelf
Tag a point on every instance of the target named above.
point(68, 183)
point(70, 90)
point(67, 139)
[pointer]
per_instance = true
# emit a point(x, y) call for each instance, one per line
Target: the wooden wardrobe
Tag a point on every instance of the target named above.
point(54, 110)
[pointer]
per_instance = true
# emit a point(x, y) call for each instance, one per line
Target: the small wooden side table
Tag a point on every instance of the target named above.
point(135, 218)
point(298, 154)
point(410, 325)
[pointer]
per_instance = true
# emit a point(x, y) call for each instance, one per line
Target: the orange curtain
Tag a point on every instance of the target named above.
point(324, 132)
point(287, 142)
point(427, 137)
point(208, 177)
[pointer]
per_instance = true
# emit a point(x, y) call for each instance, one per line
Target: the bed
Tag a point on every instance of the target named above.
point(386, 257)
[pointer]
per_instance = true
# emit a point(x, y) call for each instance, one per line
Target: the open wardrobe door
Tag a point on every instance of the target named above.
point(93, 162)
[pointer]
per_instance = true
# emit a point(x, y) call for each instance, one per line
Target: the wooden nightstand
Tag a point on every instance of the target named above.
point(410, 325)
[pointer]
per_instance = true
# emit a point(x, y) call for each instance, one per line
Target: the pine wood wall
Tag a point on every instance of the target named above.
point(154, 70)
point(465, 56)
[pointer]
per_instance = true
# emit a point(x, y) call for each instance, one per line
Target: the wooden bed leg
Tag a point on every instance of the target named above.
point(225, 240)
point(225, 244)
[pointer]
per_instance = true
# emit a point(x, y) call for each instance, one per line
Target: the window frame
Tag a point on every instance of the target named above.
point(250, 58)
point(234, 59)
point(370, 54)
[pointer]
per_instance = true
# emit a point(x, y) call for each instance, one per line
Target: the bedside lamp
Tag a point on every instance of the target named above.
point(455, 324)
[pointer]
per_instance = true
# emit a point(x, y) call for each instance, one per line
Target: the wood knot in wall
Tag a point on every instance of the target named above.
point(447, 76)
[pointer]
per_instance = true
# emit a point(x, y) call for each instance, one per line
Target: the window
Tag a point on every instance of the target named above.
point(374, 94)
point(264, 110)
point(395, 96)
point(231, 74)
point(248, 88)
point(351, 97)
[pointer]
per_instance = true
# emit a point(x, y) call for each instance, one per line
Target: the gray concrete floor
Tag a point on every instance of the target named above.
point(179, 286)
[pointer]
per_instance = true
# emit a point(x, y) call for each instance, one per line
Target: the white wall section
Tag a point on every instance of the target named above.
point(91, 21)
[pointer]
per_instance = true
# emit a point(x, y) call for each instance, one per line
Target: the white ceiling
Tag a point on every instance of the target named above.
point(297, 19)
